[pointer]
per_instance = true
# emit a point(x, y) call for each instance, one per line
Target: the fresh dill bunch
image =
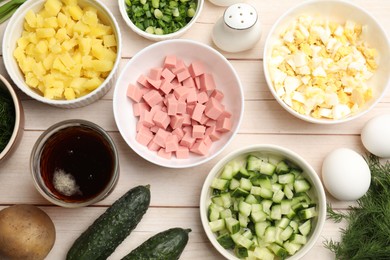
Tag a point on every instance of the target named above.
point(367, 235)
point(7, 117)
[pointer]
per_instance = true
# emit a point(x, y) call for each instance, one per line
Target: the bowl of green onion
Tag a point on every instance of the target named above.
point(11, 119)
point(158, 20)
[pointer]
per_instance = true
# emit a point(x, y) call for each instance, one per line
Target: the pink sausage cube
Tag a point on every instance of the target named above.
point(161, 137)
point(152, 146)
point(198, 131)
point(207, 141)
point(187, 129)
point(217, 94)
point(178, 132)
point(196, 69)
point(155, 83)
point(172, 105)
point(198, 111)
point(213, 133)
point(164, 154)
point(187, 120)
point(192, 96)
point(176, 121)
point(170, 61)
point(161, 119)
point(153, 97)
point(204, 119)
point(154, 129)
point(167, 75)
point(139, 108)
point(207, 82)
point(224, 125)
point(166, 87)
point(213, 108)
point(172, 143)
point(155, 73)
point(181, 107)
point(190, 108)
point(187, 140)
point(182, 152)
point(189, 82)
point(203, 97)
point(146, 118)
point(144, 136)
point(142, 79)
point(200, 148)
point(181, 93)
point(182, 74)
point(197, 82)
point(134, 92)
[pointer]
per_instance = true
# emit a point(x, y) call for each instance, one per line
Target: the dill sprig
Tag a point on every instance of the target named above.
point(367, 235)
point(7, 117)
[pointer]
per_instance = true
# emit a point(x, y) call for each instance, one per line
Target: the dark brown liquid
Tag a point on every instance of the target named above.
point(82, 153)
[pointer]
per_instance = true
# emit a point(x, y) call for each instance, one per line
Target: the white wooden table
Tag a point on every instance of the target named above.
point(175, 192)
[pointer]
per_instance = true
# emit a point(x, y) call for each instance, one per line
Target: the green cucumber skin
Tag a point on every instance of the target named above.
point(166, 245)
point(112, 227)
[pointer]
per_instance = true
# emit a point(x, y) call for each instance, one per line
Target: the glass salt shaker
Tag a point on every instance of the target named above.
point(239, 29)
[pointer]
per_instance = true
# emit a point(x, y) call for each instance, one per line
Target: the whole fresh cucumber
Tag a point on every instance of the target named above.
point(112, 227)
point(166, 245)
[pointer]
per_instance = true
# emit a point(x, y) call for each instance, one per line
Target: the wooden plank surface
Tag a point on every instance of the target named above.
point(264, 121)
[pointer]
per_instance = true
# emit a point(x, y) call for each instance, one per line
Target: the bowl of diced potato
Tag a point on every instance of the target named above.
point(63, 53)
point(327, 61)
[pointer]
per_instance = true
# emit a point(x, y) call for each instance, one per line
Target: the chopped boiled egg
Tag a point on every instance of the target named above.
point(320, 67)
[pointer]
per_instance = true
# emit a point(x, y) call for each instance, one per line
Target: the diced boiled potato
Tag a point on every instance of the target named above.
point(75, 12)
point(81, 28)
point(31, 80)
point(42, 47)
point(51, 22)
point(102, 65)
point(90, 18)
point(45, 32)
point(93, 83)
point(58, 65)
point(61, 35)
point(19, 54)
point(31, 19)
point(53, 93)
point(109, 41)
point(85, 45)
point(48, 61)
point(100, 30)
point(53, 7)
point(62, 20)
point(40, 21)
point(69, 94)
point(102, 53)
point(69, 2)
point(67, 60)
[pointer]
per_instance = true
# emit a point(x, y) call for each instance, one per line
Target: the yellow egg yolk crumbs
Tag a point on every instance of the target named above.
point(321, 68)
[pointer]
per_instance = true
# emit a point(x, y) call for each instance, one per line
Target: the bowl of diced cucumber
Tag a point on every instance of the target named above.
point(158, 20)
point(263, 202)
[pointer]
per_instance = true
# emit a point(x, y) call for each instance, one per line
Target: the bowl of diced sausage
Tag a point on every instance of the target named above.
point(178, 103)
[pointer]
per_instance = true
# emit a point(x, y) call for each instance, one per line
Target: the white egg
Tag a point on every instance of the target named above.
point(345, 174)
point(376, 136)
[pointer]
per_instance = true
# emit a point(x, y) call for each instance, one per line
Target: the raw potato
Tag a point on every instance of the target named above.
point(26, 233)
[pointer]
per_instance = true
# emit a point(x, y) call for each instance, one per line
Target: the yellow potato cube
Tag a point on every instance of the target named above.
point(109, 41)
point(48, 61)
point(90, 18)
point(75, 12)
point(19, 54)
point(39, 70)
point(45, 32)
point(75, 71)
point(53, 7)
point(61, 35)
point(31, 80)
point(90, 74)
point(27, 27)
point(81, 28)
point(69, 26)
point(69, 94)
point(93, 83)
point(102, 53)
point(85, 45)
point(100, 30)
point(62, 19)
point(58, 65)
point(102, 65)
point(40, 21)
point(53, 93)
point(22, 42)
point(67, 60)
point(51, 22)
point(31, 19)
point(42, 47)
point(69, 2)
point(68, 45)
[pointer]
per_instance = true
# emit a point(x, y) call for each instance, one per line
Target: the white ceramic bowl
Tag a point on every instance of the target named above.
point(338, 11)
point(152, 56)
point(317, 193)
point(14, 31)
point(19, 121)
point(154, 37)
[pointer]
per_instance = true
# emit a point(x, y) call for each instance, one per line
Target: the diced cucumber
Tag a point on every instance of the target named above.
point(291, 248)
point(253, 163)
point(286, 233)
point(285, 206)
point(270, 234)
point(287, 192)
point(282, 167)
point(283, 223)
point(234, 184)
point(226, 200)
point(243, 220)
point(229, 171)
point(263, 253)
point(267, 168)
point(267, 206)
point(244, 208)
point(305, 228)
point(278, 196)
point(278, 250)
point(301, 185)
point(294, 225)
point(226, 213)
point(298, 239)
point(260, 228)
point(241, 252)
point(248, 234)
point(276, 187)
point(242, 173)
point(217, 200)
point(213, 213)
point(245, 184)
point(286, 178)
point(217, 225)
point(232, 225)
point(262, 181)
point(265, 193)
point(239, 193)
point(257, 207)
point(276, 212)
point(242, 241)
point(220, 184)
point(297, 173)
point(226, 241)
point(258, 216)
point(307, 213)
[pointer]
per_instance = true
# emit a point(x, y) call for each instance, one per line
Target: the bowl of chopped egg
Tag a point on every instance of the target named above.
point(327, 61)
point(62, 52)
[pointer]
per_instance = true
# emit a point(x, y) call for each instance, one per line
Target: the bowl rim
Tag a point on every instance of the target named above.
point(267, 148)
point(19, 119)
point(268, 77)
point(116, 110)
point(8, 49)
point(155, 37)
